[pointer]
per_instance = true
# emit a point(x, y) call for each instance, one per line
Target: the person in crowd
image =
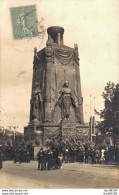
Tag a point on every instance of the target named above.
point(77, 153)
point(24, 154)
point(40, 159)
point(45, 159)
point(103, 155)
point(7, 152)
point(111, 154)
point(72, 154)
point(66, 155)
point(59, 163)
point(117, 155)
point(81, 155)
point(27, 156)
point(55, 158)
point(15, 156)
point(20, 156)
point(60, 160)
point(50, 160)
point(86, 154)
point(4, 153)
point(97, 155)
point(93, 156)
point(0, 158)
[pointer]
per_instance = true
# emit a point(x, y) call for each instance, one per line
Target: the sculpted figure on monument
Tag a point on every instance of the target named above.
point(36, 58)
point(36, 101)
point(76, 53)
point(65, 101)
point(48, 51)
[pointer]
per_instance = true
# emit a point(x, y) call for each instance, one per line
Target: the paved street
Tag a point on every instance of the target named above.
point(72, 175)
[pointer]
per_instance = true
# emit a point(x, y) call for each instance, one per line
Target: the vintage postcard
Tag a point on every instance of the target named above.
point(59, 95)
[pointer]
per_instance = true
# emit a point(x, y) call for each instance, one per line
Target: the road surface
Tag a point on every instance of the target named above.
point(72, 175)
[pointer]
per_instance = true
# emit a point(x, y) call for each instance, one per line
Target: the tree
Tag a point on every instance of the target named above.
point(110, 113)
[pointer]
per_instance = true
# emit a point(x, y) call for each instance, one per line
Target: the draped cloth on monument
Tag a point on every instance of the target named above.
point(63, 56)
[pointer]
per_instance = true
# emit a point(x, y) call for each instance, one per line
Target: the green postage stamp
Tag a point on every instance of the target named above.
point(24, 22)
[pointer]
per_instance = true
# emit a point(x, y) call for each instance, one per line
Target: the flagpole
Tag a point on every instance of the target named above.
point(94, 116)
point(90, 106)
point(90, 121)
point(94, 106)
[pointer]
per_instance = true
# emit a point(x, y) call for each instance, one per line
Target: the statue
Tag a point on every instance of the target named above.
point(36, 57)
point(36, 101)
point(76, 55)
point(65, 101)
point(48, 51)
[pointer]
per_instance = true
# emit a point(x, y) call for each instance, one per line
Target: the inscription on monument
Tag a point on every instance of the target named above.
point(68, 130)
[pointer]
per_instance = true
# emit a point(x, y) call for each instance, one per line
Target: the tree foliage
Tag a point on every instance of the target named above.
point(110, 113)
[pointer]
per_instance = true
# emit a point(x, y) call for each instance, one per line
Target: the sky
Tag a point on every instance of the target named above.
point(92, 24)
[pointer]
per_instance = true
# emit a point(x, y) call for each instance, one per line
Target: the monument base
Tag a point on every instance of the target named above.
point(55, 132)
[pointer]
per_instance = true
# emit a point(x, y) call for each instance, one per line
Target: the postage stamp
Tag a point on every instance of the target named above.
point(24, 22)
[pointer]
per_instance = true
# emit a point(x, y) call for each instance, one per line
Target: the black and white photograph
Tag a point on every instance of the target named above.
point(59, 96)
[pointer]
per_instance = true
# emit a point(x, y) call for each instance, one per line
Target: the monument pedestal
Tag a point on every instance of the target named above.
point(51, 131)
point(65, 131)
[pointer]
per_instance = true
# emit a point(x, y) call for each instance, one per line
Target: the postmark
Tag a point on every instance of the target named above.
point(24, 22)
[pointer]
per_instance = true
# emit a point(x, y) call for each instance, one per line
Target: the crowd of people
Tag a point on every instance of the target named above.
point(94, 155)
point(52, 157)
point(0, 159)
point(21, 155)
point(49, 159)
point(17, 153)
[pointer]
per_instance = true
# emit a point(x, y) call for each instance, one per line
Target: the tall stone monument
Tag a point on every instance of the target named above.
point(56, 105)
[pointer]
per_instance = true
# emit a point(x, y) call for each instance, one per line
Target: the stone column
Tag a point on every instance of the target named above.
point(59, 38)
point(50, 38)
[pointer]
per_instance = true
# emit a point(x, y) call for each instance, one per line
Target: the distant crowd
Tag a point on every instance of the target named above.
point(93, 155)
point(17, 154)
